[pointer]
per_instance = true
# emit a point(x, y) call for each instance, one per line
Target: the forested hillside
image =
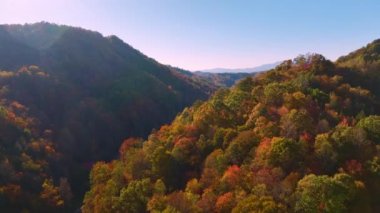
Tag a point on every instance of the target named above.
point(223, 79)
point(29, 159)
point(102, 82)
point(303, 137)
point(87, 92)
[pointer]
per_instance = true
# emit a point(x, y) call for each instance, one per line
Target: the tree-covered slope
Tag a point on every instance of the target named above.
point(89, 91)
point(364, 56)
point(29, 160)
point(223, 79)
point(94, 73)
point(303, 137)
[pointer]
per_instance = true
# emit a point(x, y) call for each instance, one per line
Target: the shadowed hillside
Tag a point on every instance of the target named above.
point(88, 91)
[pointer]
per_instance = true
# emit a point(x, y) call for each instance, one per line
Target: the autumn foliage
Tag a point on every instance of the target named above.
point(302, 137)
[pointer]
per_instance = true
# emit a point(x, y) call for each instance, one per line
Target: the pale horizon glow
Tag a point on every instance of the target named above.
point(197, 35)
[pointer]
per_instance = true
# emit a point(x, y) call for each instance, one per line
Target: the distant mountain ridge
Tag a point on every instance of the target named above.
point(224, 77)
point(260, 68)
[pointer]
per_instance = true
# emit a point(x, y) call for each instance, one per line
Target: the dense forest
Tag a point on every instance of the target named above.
point(303, 137)
point(68, 98)
point(223, 79)
point(29, 160)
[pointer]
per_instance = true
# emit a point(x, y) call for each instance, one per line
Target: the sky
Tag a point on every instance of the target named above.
point(205, 34)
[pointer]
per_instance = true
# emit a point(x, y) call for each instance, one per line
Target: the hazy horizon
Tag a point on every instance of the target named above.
point(201, 35)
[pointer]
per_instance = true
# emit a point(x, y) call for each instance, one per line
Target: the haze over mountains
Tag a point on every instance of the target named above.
point(302, 136)
point(224, 77)
point(260, 68)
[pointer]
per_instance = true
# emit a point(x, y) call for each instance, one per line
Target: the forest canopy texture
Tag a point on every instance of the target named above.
point(303, 137)
point(68, 98)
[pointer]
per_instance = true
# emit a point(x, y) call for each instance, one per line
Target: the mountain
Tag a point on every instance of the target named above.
point(83, 93)
point(213, 81)
point(303, 137)
point(260, 68)
point(222, 79)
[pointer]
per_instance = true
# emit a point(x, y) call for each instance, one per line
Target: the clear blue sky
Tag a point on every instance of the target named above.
point(200, 34)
